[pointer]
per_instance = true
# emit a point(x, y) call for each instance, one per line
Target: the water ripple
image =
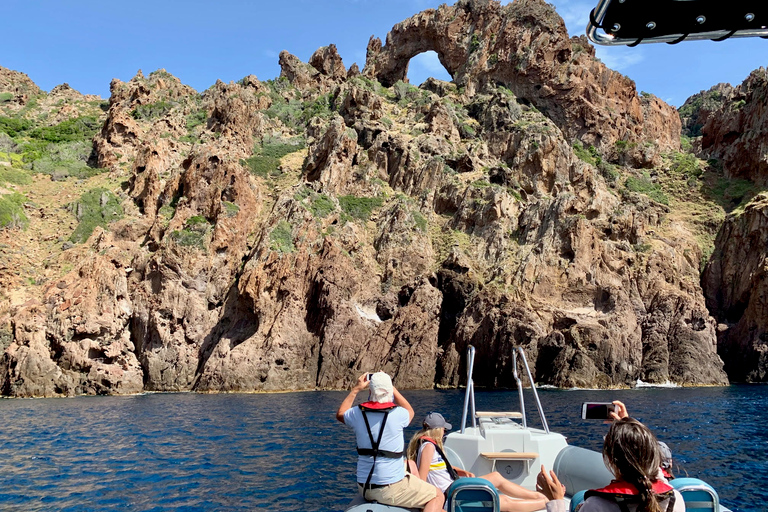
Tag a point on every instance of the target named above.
point(286, 452)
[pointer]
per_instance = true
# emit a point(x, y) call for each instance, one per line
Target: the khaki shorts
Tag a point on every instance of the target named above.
point(410, 492)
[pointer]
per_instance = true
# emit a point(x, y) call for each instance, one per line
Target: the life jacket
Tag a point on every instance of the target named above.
point(625, 494)
point(373, 451)
point(448, 467)
point(667, 474)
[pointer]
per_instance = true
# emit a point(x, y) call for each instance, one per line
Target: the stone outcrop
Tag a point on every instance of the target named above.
point(736, 286)
point(736, 133)
point(525, 47)
point(19, 85)
point(291, 234)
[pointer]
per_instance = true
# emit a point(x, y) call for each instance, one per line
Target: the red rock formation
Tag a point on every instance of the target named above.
point(525, 46)
point(737, 132)
point(415, 222)
point(736, 287)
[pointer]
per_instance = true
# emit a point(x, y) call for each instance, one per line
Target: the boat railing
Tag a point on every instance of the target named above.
point(469, 394)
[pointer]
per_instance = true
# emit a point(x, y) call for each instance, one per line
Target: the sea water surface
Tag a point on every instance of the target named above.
point(286, 452)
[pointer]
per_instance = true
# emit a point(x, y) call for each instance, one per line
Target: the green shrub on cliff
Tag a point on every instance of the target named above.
point(281, 239)
point(97, 207)
point(12, 211)
point(61, 161)
point(588, 155)
point(266, 158)
point(644, 185)
point(6, 97)
point(360, 207)
point(152, 111)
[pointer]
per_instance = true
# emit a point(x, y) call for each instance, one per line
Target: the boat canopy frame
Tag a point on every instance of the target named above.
point(632, 22)
point(469, 394)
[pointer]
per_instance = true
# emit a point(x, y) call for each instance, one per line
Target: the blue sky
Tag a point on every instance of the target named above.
point(87, 43)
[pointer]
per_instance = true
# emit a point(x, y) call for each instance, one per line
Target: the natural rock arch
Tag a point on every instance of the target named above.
point(525, 46)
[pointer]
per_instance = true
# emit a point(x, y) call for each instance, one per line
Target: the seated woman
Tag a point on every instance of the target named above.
point(426, 448)
point(631, 452)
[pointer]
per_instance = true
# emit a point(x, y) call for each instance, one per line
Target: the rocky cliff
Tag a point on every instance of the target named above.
point(289, 234)
point(734, 136)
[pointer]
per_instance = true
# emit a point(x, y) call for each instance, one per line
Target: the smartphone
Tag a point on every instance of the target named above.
point(368, 377)
point(597, 410)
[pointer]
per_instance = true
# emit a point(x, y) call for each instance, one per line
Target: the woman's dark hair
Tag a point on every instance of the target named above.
point(632, 453)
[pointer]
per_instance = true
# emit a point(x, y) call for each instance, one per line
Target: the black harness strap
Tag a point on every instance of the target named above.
point(374, 450)
point(451, 470)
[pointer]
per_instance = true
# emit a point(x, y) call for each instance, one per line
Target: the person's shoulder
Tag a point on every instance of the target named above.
point(598, 504)
point(351, 414)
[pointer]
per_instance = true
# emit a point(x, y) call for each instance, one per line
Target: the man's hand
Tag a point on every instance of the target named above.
point(549, 485)
point(361, 384)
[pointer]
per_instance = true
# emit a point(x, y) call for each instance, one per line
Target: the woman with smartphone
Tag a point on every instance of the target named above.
point(631, 452)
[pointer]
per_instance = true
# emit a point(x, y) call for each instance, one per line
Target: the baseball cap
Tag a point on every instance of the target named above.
point(436, 420)
point(380, 386)
point(666, 455)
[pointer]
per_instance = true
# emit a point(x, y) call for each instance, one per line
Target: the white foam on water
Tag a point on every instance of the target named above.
point(667, 384)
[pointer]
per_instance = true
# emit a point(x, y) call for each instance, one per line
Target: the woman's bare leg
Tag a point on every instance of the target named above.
point(511, 488)
point(512, 505)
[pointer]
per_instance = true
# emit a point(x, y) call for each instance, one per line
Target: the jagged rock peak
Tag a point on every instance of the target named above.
point(328, 62)
point(18, 84)
point(734, 130)
point(525, 46)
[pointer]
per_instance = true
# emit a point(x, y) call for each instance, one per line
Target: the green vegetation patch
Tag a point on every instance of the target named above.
point(231, 209)
point(71, 130)
point(588, 155)
point(281, 238)
point(14, 176)
point(321, 206)
point(97, 207)
point(686, 164)
point(420, 221)
point(196, 119)
point(644, 185)
point(12, 211)
point(61, 161)
point(5, 97)
point(152, 111)
point(265, 161)
point(360, 207)
point(14, 126)
point(193, 235)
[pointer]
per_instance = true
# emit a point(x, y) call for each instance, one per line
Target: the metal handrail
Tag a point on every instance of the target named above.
point(519, 388)
point(533, 388)
point(469, 395)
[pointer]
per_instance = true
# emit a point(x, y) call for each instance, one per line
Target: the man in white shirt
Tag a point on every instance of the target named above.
point(378, 425)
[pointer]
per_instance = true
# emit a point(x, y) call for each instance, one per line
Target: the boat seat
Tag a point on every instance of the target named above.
point(523, 459)
point(486, 414)
point(510, 455)
point(698, 495)
point(472, 495)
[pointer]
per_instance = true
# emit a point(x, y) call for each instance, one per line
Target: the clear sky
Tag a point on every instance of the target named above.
point(87, 43)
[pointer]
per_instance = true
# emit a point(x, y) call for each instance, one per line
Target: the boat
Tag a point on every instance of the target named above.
point(503, 441)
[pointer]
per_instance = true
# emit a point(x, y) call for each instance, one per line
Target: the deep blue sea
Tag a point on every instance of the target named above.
point(286, 452)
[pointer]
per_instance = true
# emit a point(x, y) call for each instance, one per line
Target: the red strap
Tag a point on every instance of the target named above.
point(378, 405)
point(621, 487)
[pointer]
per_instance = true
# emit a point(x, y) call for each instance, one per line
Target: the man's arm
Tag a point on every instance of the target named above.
point(350, 399)
point(402, 402)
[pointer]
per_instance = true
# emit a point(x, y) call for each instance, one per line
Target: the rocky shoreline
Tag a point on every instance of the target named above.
point(287, 234)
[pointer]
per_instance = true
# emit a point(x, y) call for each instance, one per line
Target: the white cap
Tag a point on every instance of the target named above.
point(381, 388)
